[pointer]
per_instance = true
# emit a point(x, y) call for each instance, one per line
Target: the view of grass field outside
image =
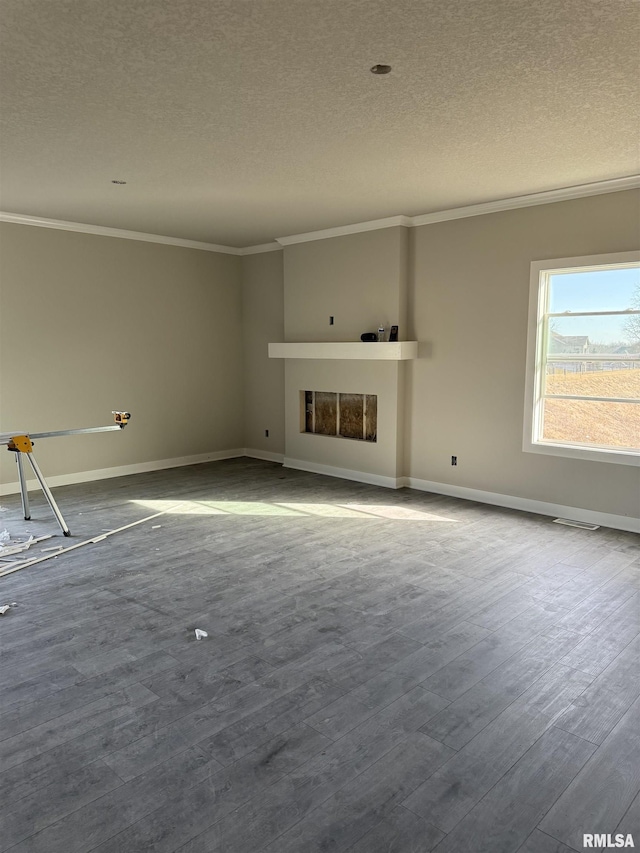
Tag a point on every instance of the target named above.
point(591, 382)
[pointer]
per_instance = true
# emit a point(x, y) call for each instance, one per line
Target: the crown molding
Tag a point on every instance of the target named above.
point(263, 247)
point(104, 231)
point(342, 230)
point(547, 197)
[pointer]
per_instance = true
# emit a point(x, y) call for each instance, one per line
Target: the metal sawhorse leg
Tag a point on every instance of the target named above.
point(24, 448)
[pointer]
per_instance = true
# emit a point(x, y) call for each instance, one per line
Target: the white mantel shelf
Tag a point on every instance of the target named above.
point(397, 351)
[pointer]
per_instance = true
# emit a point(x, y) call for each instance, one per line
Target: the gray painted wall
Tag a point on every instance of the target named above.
point(469, 296)
point(263, 378)
point(89, 324)
point(360, 279)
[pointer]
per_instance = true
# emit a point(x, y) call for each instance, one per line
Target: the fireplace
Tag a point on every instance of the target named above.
point(345, 417)
point(340, 414)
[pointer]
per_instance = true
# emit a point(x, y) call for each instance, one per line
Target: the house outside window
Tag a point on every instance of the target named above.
point(583, 358)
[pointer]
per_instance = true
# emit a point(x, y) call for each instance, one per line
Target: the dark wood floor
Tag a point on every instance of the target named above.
point(384, 671)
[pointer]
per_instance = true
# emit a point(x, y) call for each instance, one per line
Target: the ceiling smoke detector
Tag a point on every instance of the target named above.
point(381, 69)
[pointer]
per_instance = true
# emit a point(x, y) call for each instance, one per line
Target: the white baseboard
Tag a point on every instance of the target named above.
point(344, 473)
point(123, 470)
point(604, 519)
point(266, 455)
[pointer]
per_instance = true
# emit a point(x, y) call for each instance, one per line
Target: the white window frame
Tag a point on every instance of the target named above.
point(536, 358)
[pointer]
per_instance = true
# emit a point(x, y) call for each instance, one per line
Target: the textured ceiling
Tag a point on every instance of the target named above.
point(237, 121)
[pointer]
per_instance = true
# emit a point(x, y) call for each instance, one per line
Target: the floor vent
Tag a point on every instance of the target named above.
point(571, 523)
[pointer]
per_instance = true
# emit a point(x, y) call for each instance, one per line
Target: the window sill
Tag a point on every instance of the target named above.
point(617, 457)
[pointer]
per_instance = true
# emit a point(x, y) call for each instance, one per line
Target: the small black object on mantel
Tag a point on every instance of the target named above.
point(369, 337)
point(393, 334)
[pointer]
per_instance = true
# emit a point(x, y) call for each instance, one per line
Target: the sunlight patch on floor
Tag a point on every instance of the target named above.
point(218, 508)
point(325, 510)
point(372, 512)
point(398, 513)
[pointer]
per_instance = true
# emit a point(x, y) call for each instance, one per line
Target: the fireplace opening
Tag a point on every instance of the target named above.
point(352, 416)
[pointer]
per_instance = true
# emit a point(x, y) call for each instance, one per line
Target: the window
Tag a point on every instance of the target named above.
point(583, 358)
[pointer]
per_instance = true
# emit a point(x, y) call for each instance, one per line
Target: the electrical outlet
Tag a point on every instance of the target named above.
point(266, 433)
point(331, 320)
point(454, 460)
